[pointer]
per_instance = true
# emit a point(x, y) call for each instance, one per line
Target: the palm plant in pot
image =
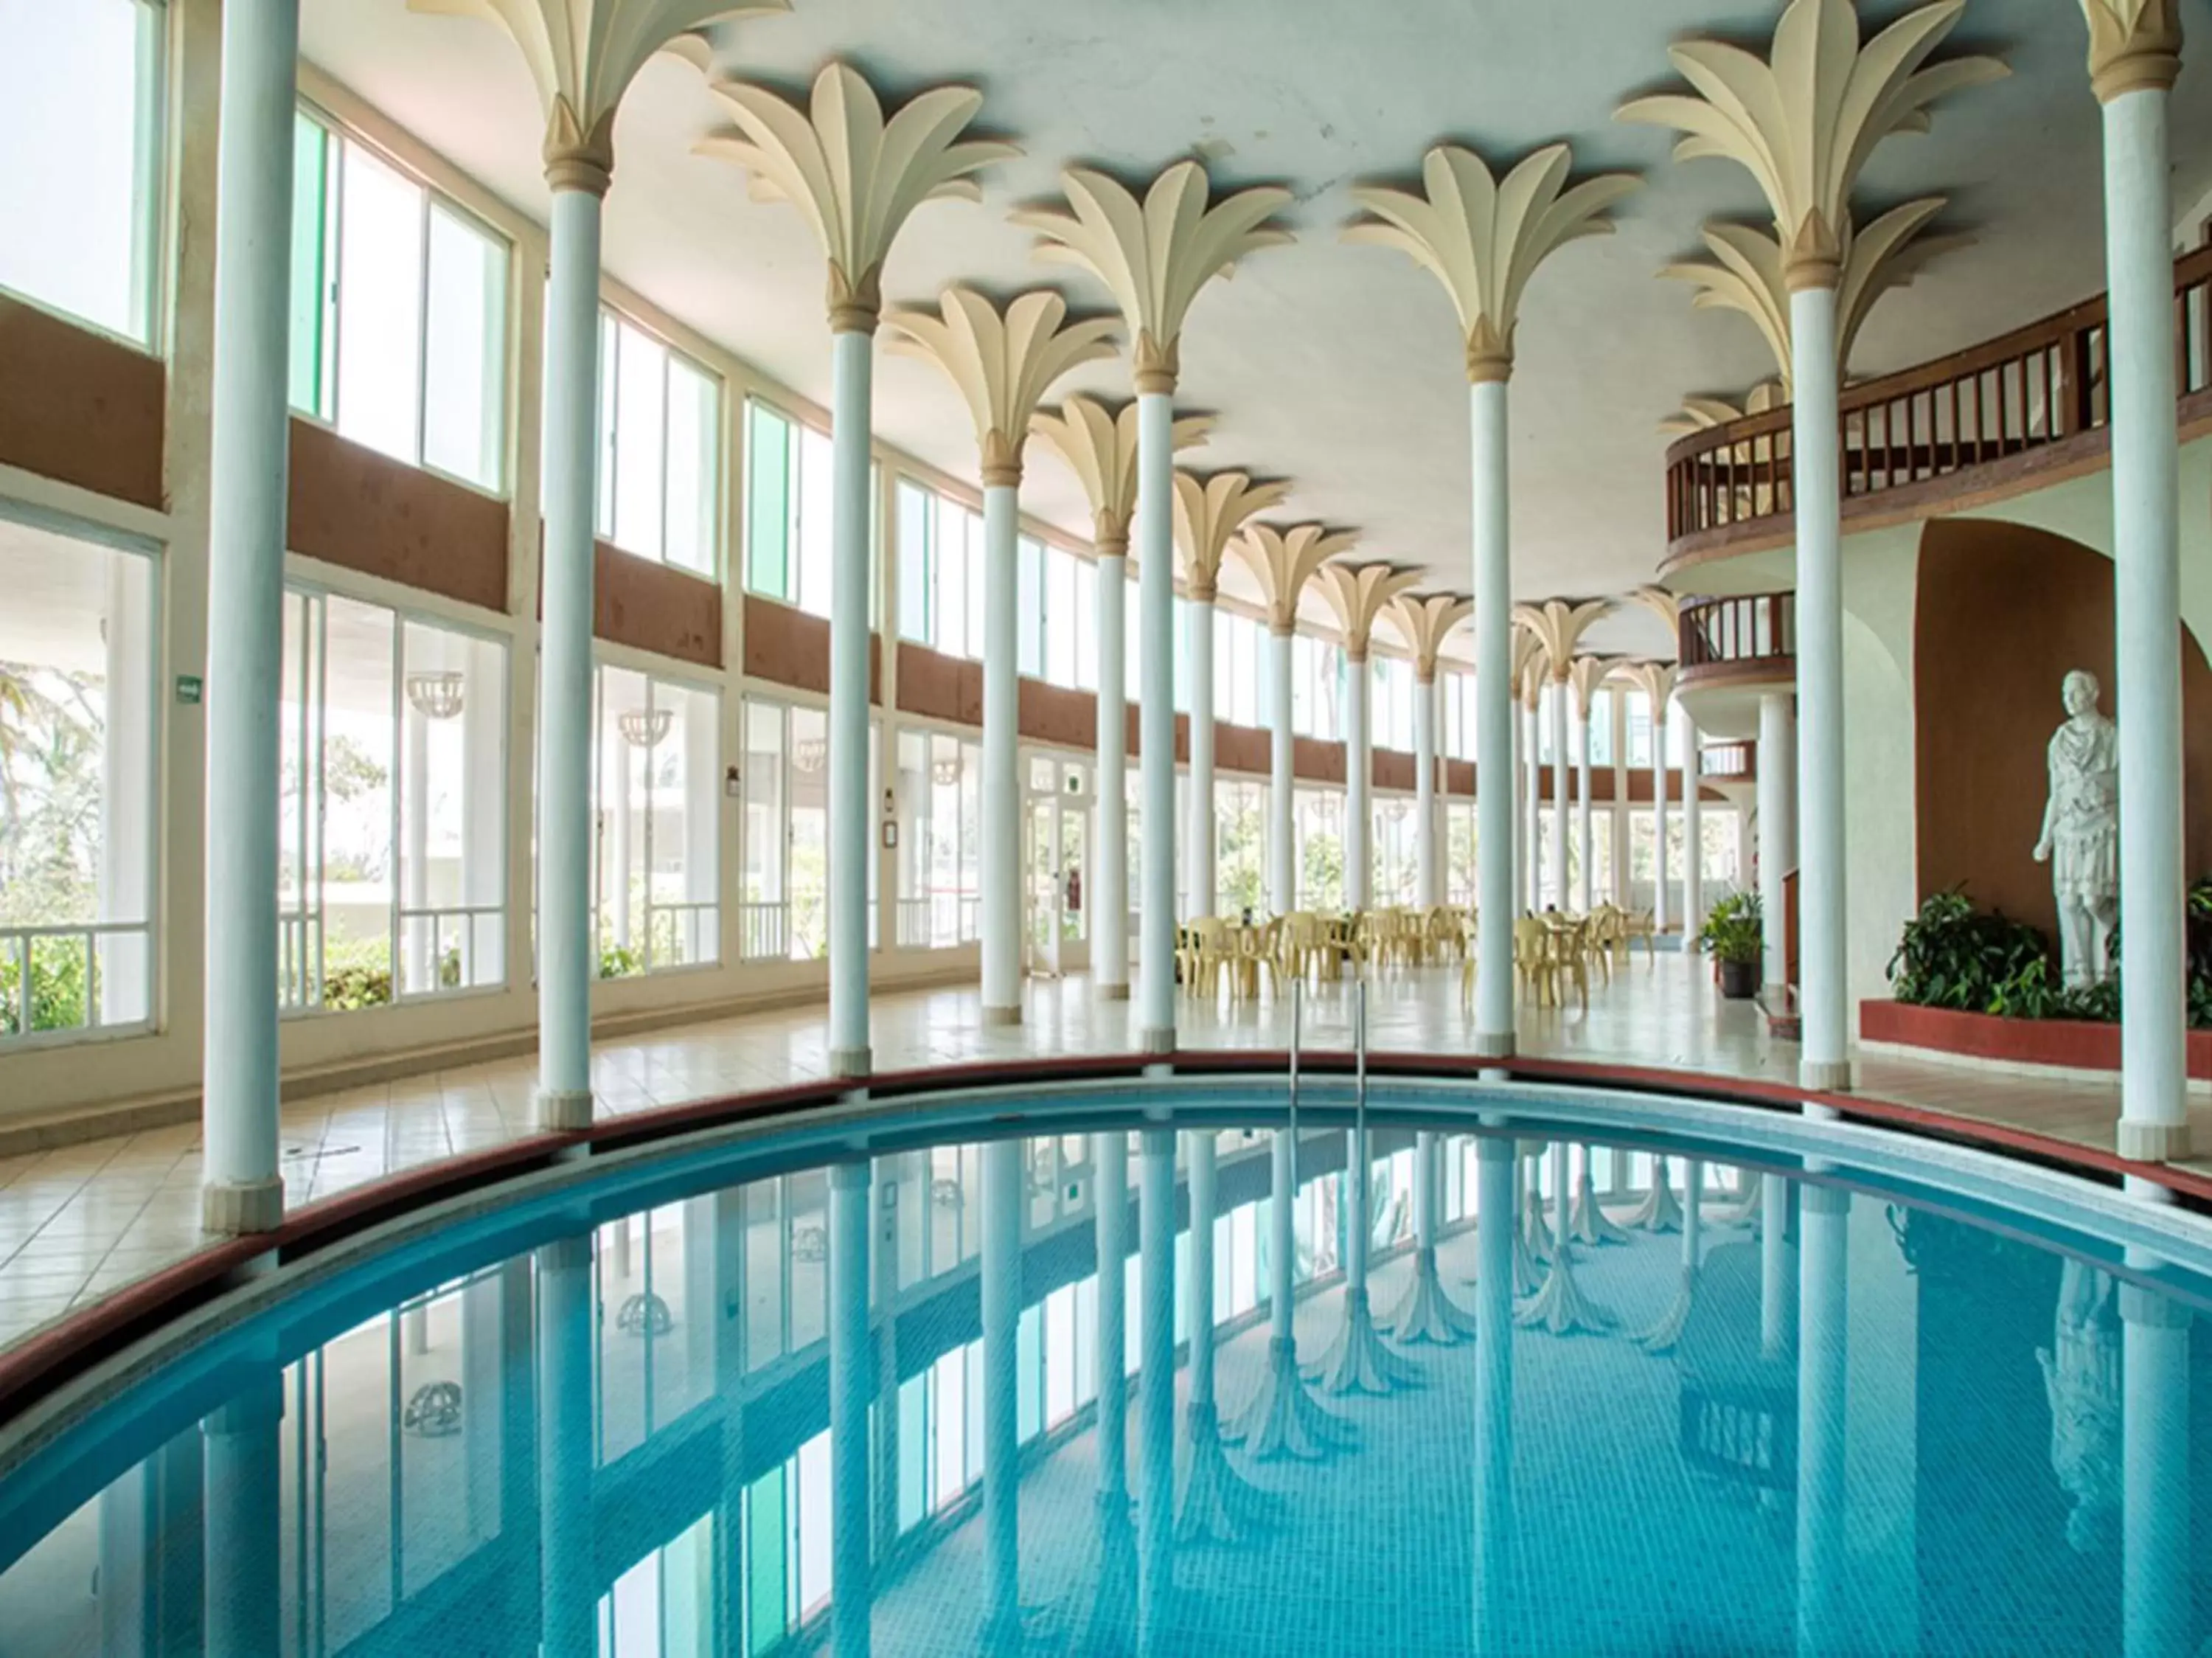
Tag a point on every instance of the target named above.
point(1734, 935)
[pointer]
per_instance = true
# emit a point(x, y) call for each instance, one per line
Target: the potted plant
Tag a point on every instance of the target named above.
point(1734, 935)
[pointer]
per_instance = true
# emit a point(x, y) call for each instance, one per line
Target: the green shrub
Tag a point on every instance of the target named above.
point(1952, 955)
point(1734, 929)
point(58, 988)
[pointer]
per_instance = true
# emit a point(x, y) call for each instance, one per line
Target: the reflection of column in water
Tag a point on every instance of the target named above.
point(245, 1529)
point(1002, 1306)
point(1113, 1616)
point(1357, 1361)
point(1775, 1307)
point(851, 1591)
point(2154, 1541)
point(1824, 1227)
point(151, 1556)
point(1495, 1234)
point(1426, 1313)
point(1218, 1503)
point(567, 1627)
point(1282, 1420)
point(1156, 1379)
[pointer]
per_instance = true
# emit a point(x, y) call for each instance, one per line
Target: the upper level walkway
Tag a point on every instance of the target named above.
point(80, 1221)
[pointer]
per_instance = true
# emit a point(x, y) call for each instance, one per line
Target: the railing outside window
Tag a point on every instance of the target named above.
point(58, 978)
point(764, 930)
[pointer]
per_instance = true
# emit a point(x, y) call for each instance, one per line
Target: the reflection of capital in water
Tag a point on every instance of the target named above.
point(1156, 1380)
point(1495, 1232)
point(567, 1603)
point(245, 1529)
point(851, 1369)
point(1824, 1229)
point(2155, 1542)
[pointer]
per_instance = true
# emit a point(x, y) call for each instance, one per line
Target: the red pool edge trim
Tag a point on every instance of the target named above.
point(2076, 1044)
point(43, 1362)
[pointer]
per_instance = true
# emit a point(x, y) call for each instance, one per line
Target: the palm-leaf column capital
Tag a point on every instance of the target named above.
point(1100, 446)
point(1749, 272)
point(1424, 621)
point(1555, 625)
point(1002, 360)
point(1525, 670)
point(1155, 255)
point(1483, 238)
point(2134, 46)
point(1803, 120)
point(1209, 511)
point(1359, 595)
point(1587, 675)
point(1654, 679)
point(583, 54)
point(854, 172)
point(1284, 557)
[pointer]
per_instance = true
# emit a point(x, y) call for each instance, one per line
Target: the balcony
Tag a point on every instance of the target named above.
point(2014, 413)
point(1732, 652)
point(1723, 763)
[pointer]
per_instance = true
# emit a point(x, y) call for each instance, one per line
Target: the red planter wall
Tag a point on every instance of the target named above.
point(2076, 1044)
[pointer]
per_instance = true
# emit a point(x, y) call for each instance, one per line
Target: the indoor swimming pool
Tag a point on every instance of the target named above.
point(862, 1387)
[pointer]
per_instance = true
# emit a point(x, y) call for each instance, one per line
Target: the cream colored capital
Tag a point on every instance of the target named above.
point(1803, 120)
point(583, 54)
point(855, 175)
point(1100, 447)
point(1002, 361)
point(1424, 621)
point(1156, 255)
point(1282, 558)
point(1209, 513)
point(2135, 46)
point(1555, 625)
point(1360, 594)
point(1483, 239)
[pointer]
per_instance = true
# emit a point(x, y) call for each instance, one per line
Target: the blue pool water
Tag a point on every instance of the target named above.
point(775, 1396)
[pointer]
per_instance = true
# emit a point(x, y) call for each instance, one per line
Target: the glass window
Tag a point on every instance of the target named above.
point(1085, 623)
point(398, 306)
point(659, 449)
point(79, 706)
point(790, 501)
point(81, 165)
point(656, 788)
point(1639, 729)
point(1029, 607)
point(1241, 840)
point(916, 589)
point(392, 855)
point(1600, 726)
point(1320, 824)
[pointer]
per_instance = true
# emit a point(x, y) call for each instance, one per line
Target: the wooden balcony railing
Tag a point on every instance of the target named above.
point(2002, 410)
point(1749, 635)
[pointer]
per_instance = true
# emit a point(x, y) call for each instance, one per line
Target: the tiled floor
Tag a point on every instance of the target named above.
point(78, 1222)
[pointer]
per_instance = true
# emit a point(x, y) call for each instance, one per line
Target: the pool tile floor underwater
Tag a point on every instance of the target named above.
point(78, 1222)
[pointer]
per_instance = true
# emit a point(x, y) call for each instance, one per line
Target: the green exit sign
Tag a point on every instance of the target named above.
point(188, 688)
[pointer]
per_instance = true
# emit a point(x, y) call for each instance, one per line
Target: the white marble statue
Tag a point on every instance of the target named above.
point(2081, 837)
point(2082, 1382)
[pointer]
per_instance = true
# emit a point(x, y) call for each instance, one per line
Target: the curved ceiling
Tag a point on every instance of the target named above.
point(1336, 366)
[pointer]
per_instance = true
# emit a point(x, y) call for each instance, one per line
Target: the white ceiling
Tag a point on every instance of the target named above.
point(1336, 366)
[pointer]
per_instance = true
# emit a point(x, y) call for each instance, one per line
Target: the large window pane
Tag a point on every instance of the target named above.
point(915, 585)
point(453, 797)
point(816, 511)
point(768, 502)
point(77, 715)
point(658, 789)
point(659, 479)
point(464, 350)
point(80, 157)
point(694, 446)
point(381, 247)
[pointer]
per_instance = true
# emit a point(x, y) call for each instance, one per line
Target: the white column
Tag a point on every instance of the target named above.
point(1693, 829)
point(1282, 841)
point(1659, 908)
point(2155, 1566)
point(1778, 828)
point(1204, 895)
point(851, 814)
point(1824, 1060)
point(1358, 787)
point(1584, 843)
point(2147, 607)
point(1560, 692)
point(242, 1190)
point(1109, 897)
point(1004, 877)
point(1532, 805)
point(1001, 1290)
point(1428, 866)
point(851, 1371)
point(1493, 724)
point(1155, 711)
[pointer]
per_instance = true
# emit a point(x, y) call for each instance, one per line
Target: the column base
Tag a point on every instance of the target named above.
point(235, 1208)
point(1002, 1016)
point(1158, 1040)
point(2153, 1143)
point(854, 1063)
point(564, 1111)
point(1112, 992)
point(1825, 1076)
point(1494, 1045)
